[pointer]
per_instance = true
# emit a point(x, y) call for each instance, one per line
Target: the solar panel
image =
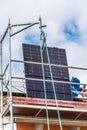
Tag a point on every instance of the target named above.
point(35, 88)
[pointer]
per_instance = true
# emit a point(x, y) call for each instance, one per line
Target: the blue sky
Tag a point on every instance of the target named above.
point(66, 22)
point(71, 31)
point(32, 38)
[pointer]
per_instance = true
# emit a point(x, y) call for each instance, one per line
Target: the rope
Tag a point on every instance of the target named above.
point(53, 85)
point(44, 83)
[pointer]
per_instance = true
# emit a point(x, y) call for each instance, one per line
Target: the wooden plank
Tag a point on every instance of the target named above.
point(53, 121)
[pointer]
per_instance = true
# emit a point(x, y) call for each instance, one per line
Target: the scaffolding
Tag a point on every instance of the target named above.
point(8, 83)
point(8, 67)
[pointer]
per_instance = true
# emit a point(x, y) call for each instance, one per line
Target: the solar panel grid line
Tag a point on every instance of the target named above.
point(37, 69)
point(38, 94)
point(39, 87)
point(46, 77)
point(58, 90)
point(48, 93)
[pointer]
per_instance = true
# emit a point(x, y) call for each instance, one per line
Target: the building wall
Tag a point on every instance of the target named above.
point(55, 127)
point(84, 128)
point(26, 126)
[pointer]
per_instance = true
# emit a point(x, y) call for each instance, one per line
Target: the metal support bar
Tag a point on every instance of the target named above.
point(1, 81)
point(15, 25)
point(43, 74)
point(10, 80)
point(56, 81)
point(5, 110)
point(1, 40)
point(5, 69)
point(6, 123)
point(17, 89)
point(55, 65)
point(23, 29)
point(6, 85)
point(38, 113)
point(78, 116)
point(1, 76)
point(67, 109)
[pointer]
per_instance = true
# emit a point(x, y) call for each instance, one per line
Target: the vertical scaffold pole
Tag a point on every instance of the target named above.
point(1, 85)
point(10, 79)
point(44, 83)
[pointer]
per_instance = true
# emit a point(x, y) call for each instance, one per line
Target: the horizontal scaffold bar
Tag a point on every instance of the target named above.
point(55, 65)
point(48, 80)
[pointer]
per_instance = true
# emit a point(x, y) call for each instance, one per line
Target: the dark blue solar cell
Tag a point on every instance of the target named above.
point(35, 88)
